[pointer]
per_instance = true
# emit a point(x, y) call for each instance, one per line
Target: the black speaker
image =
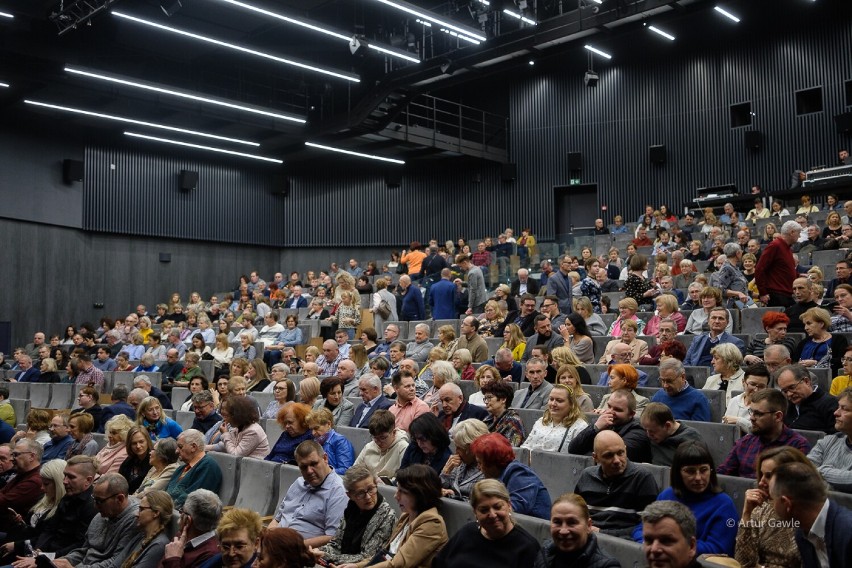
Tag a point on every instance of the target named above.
point(281, 185)
point(393, 178)
point(72, 170)
point(165, 257)
point(844, 123)
point(657, 153)
point(188, 180)
point(753, 139)
point(575, 161)
point(509, 172)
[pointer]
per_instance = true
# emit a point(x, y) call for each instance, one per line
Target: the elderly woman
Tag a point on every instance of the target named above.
point(150, 416)
point(246, 349)
point(562, 420)
point(164, 462)
point(442, 372)
point(309, 387)
point(492, 320)
point(514, 341)
point(447, 338)
point(567, 375)
point(341, 409)
point(726, 360)
point(367, 520)
point(80, 427)
point(463, 364)
point(496, 460)
point(461, 472)
point(819, 349)
point(623, 377)
point(111, 456)
point(730, 279)
point(575, 333)
point(190, 370)
point(574, 542)
point(152, 518)
point(38, 422)
point(420, 532)
point(49, 371)
point(775, 324)
point(764, 538)
point(501, 419)
point(135, 466)
point(756, 378)
point(627, 308)
point(841, 319)
point(502, 294)
point(710, 298)
point(291, 418)
point(667, 307)
point(239, 432)
point(283, 391)
point(493, 539)
point(638, 347)
point(427, 373)
point(430, 443)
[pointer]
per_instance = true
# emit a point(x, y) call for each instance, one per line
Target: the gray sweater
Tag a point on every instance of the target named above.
point(108, 541)
point(833, 458)
point(663, 454)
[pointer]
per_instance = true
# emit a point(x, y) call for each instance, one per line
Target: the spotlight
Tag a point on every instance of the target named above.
point(358, 46)
point(591, 78)
point(447, 67)
point(170, 7)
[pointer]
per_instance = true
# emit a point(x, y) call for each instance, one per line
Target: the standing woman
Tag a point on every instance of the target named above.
point(493, 540)
point(383, 313)
point(576, 335)
point(420, 532)
point(562, 420)
point(152, 518)
point(348, 314)
point(135, 467)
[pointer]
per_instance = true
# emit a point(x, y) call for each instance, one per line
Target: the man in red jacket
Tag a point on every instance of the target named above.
point(776, 268)
point(24, 490)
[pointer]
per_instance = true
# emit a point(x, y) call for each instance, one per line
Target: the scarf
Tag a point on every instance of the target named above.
point(76, 448)
point(356, 526)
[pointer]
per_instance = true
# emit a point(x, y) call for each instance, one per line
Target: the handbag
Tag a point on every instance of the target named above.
point(402, 268)
point(383, 309)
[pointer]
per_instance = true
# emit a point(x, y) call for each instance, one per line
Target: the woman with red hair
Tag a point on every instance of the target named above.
point(775, 325)
point(672, 348)
point(283, 547)
point(623, 376)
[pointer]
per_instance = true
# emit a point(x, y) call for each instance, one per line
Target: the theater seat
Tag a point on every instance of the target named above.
point(230, 466)
point(257, 479)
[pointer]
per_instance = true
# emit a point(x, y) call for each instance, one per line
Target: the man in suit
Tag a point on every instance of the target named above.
point(297, 300)
point(28, 373)
point(119, 406)
point(698, 354)
point(442, 297)
point(370, 389)
point(536, 396)
point(523, 284)
point(454, 408)
point(559, 284)
point(822, 534)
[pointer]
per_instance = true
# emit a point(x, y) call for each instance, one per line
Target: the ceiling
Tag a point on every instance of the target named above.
point(37, 46)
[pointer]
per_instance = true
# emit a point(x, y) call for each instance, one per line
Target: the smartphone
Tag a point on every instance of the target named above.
point(386, 480)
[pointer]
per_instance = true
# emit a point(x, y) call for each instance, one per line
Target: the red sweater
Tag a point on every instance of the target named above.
point(776, 269)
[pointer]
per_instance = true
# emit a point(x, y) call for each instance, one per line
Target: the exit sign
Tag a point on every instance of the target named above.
point(574, 181)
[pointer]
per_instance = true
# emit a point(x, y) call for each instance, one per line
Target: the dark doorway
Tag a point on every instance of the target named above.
point(576, 208)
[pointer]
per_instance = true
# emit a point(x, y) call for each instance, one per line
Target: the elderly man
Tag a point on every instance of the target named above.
point(119, 406)
point(685, 401)
point(196, 541)
point(28, 373)
point(347, 372)
point(832, 454)
point(470, 339)
point(174, 342)
point(622, 354)
point(391, 334)
point(803, 294)
point(668, 535)
point(477, 294)
point(536, 396)
point(543, 336)
point(113, 340)
point(370, 391)
point(412, 307)
point(25, 489)
point(523, 284)
point(687, 274)
point(31, 349)
point(113, 533)
point(407, 406)
point(418, 350)
point(136, 397)
point(341, 336)
point(776, 268)
point(144, 383)
point(442, 297)
point(561, 285)
point(206, 416)
point(506, 365)
point(619, 417)
point(768, 430)
point(664, 432)
point(171, 368)
point(666, 331)
point(199, 471)
point(822, 525)
point(615, 489)
point(314, 504)
point(698, 354)
point(454, 408)
point(809, 408)
point(330, 358)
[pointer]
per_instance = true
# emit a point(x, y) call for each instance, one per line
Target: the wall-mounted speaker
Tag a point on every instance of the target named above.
point(393, 178)
point(657, 154)
point(575, 161)
point(72, 170)
point(509, 172)
point(281, 185)
point(165, 257)
point(753, 139)
point(188, 180)
point(844, 123)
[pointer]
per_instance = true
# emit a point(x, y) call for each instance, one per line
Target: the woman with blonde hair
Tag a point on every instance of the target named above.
point(435, 354)
point(111, 456)
point(358, 355)
point(152, 518)
point(638, 347)
point(447, 338)
point(726, 360)
point(348, 314)
point(312, 353)
point(594, 322)
point(492, 319)
point(514, 340)
point(564, 356)
point(462, 361)
point(485, 374)
point(562, 420)
point(627, 308)
point(150, 416)
point(309, 390)
point(567, 375)
point(256, 375)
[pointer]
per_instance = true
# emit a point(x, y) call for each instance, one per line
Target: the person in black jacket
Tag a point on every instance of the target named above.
point(574, 543)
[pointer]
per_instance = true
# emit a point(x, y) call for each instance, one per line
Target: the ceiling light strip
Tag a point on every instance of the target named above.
point(598, 51)
point(520, 17)
point(4, 85)
point(200, 147)
point(7, 15)
point(727, 14)
point(353, 153)
point(660, 32)
point(316, 28)
point(414, 11)
point(182, 94)
point(235, 47)
point(139, 122)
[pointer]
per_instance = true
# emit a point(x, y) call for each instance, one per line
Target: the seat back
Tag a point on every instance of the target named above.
point(736, 487)
point(22, 408)
point(358, 437)
point(179, 396)
point(184, 419)
point(720, 438)
point(559, 472)
point(230, 466)
point(258, 477)
point(61, 396)
point(39, 395)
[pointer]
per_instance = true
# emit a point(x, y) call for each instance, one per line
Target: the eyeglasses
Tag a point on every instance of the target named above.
point(16, 454)
point(846, 360)
point(365, 493)
point(791, 388)
point(757, 413)
point(233, 546)
point(279, 389)
point(488, 397)
point(101, 501)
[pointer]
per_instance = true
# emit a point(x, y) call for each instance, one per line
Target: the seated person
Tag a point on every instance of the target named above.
point(832, 455)
point(383, 454)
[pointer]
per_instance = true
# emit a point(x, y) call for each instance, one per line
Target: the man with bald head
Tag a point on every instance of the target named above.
point(330, 358)
point(523, 284)
point(615, 489)
point(454, 408)
point(347, 371)
point(803, 294)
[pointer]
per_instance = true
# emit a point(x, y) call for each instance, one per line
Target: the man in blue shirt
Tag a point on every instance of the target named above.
point(686, 402)
point(698, 354)
point(59, 439)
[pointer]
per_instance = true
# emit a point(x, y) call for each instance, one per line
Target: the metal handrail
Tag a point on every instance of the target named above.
point(455, 119)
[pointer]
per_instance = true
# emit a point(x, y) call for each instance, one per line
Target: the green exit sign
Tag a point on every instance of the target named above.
point(575, 181)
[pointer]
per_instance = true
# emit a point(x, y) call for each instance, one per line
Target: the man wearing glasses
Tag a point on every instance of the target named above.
point(206, 417)
point(767, 431)
point(526, 317)
point(809, 408)
point(196, 541)
point(113, 533)
point(24, 490)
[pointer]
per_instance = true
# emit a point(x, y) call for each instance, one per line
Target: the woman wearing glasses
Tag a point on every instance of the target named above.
point(756, 379)
point(283, 391)
point(154, 515)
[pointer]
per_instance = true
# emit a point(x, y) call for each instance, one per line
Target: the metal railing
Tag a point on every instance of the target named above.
point(456, 120)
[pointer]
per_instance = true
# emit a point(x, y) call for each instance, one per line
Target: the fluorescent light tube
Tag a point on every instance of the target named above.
point(4, 85)
point(414, 11)
point(236, 47)
point(200, 147)
point(727, 14)
point(352, 153)
point(598, 51)
point(520, 17)
point(7, 15)
point(139, 122)
point(658, 31)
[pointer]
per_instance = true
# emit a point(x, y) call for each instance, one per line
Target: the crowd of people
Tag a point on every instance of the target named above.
point(78, 498)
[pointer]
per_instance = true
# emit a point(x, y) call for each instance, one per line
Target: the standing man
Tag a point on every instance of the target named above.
point(477, 294)
point(442, 297)
point(412, 307)
point(776, 268)
point(560, 285)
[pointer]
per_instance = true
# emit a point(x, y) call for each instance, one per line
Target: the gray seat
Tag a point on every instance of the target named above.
point(230, 466)
point(494, 344)
point(720, 438)
point(61, 396)
point(389, 494)
point(812, 436)
point(101, 439)
point(628, 553)
point(179, 395)
point(522, 455)
point(125, 378)
point(456, 514)
point(358, 437)
point(273, 431)
point(750, 320)
point(468, 388)
point(287, 474)
point(255, 495)
point(184, 419)
point(538, 528)
point(207, 367)
point(39, 395)
point(22, 408)
point(19, 390)
point(736, 487)
point(698, 375)
point(559, 472)
point(263, 399)
point(528, 417)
